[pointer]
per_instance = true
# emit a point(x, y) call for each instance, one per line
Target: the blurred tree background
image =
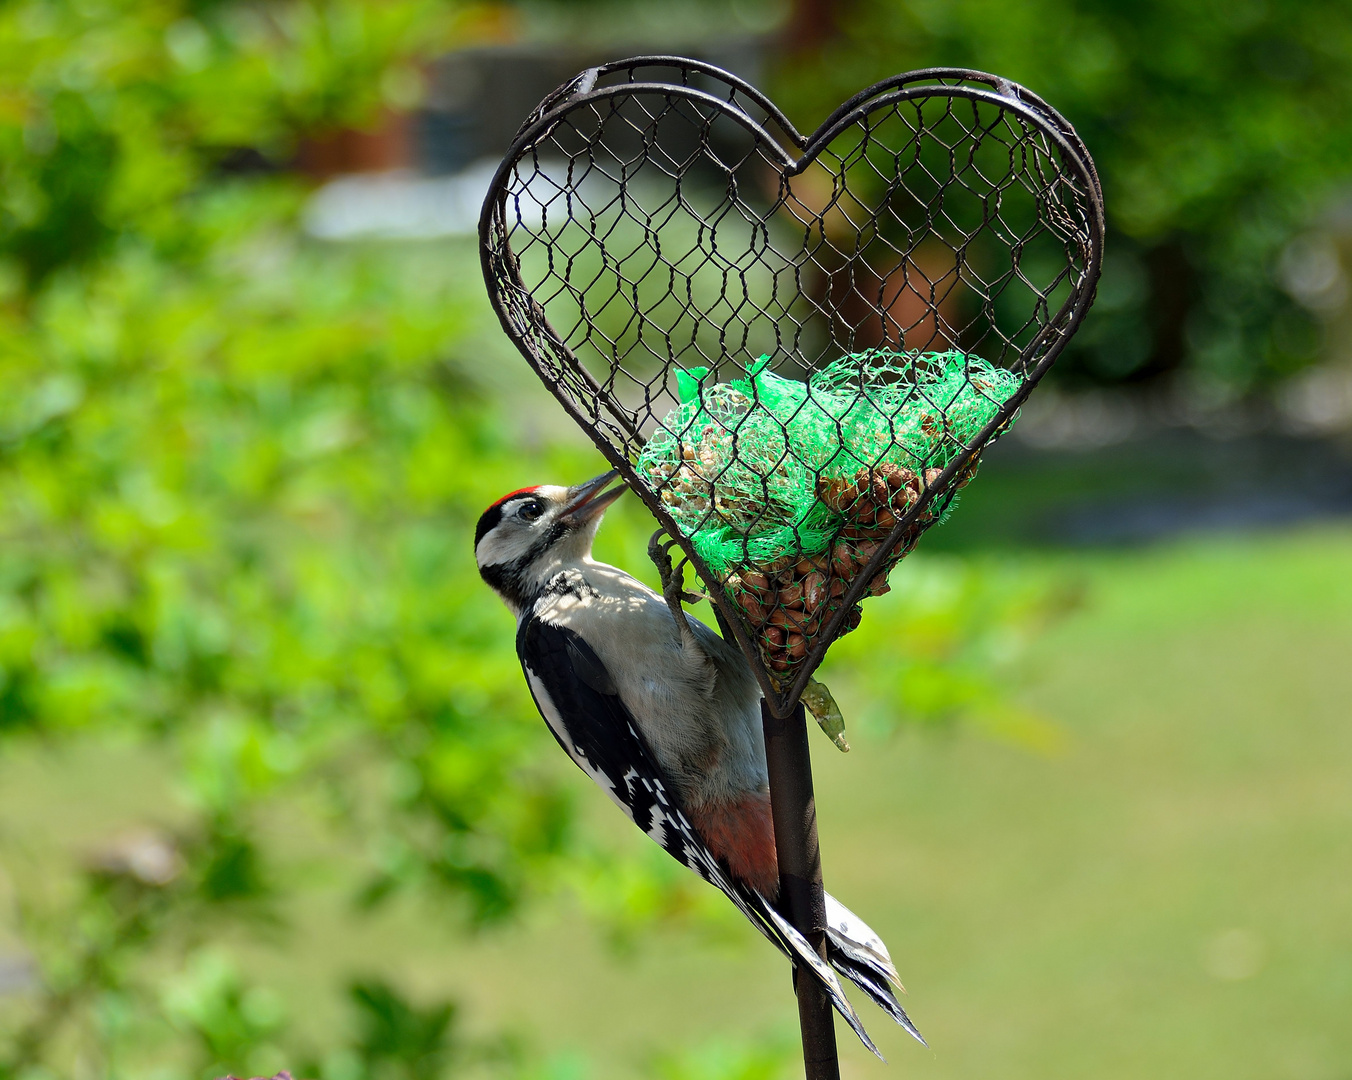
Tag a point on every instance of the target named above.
point(1221, 135)
point(247, 670)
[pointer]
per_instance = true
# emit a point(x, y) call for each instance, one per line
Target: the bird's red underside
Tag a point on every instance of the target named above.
point(742, 834)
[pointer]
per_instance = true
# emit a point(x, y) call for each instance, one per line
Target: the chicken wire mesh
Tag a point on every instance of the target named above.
point(794, 348)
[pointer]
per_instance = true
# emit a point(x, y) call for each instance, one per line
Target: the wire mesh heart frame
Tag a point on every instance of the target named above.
point(715, 297)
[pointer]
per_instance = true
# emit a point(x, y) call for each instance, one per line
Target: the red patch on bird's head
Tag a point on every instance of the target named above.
point(513, 495)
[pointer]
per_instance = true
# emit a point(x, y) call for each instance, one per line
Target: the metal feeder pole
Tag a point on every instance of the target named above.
point(803, 898)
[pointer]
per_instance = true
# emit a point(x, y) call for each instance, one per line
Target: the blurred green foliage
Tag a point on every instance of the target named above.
point(238, 477)
point(116, 116)
point(1220, 129)
point(238, 499)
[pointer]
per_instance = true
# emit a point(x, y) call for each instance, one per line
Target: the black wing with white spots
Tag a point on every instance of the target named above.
point(577, 698)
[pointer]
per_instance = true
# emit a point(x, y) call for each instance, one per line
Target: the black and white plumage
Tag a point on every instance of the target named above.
point(665, 718)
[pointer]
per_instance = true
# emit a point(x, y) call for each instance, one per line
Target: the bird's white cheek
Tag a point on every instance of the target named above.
point(499, 548)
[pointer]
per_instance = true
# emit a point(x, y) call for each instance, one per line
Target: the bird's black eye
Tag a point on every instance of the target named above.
point(531, 511)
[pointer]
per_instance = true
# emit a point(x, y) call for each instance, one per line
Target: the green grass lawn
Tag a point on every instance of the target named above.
point(1167, 895)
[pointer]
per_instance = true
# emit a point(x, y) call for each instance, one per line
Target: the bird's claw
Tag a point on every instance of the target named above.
point(672, 574)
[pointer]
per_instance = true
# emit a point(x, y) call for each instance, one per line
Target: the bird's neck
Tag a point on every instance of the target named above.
point(557, 574)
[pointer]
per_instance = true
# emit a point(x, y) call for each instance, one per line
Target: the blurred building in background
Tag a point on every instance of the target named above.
point(424, 173)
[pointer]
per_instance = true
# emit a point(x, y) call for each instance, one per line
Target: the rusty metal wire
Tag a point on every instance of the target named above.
point(658, 226)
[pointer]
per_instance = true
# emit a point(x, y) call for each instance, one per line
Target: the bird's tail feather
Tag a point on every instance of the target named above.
point(859, 954)
point(852, 949)
point(804, 955)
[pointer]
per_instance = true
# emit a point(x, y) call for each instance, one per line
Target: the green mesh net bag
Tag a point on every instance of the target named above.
point(786, 488)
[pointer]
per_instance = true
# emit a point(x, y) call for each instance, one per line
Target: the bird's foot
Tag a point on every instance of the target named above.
point(672, 575)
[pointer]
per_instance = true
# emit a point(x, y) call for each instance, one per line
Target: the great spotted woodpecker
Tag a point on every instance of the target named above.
point(663, 714)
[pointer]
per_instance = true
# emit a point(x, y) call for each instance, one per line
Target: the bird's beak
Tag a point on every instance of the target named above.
point(589, 500)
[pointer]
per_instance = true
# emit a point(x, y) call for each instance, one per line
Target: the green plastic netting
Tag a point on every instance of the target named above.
point(738, 464)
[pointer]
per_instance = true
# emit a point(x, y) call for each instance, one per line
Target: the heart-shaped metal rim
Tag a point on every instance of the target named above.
point(502, 276)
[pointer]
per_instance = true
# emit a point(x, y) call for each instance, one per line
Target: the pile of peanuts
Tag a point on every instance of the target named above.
point(786, 602)
point(691, 488)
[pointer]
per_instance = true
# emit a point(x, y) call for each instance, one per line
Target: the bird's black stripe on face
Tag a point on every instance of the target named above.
point(490, 520)
point(512, 579)
point(504, 579)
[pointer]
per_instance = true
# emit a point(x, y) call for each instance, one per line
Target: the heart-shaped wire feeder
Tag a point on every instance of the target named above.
point(793, 348)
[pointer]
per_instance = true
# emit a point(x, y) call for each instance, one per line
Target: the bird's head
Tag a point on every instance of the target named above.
point(527, 537)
